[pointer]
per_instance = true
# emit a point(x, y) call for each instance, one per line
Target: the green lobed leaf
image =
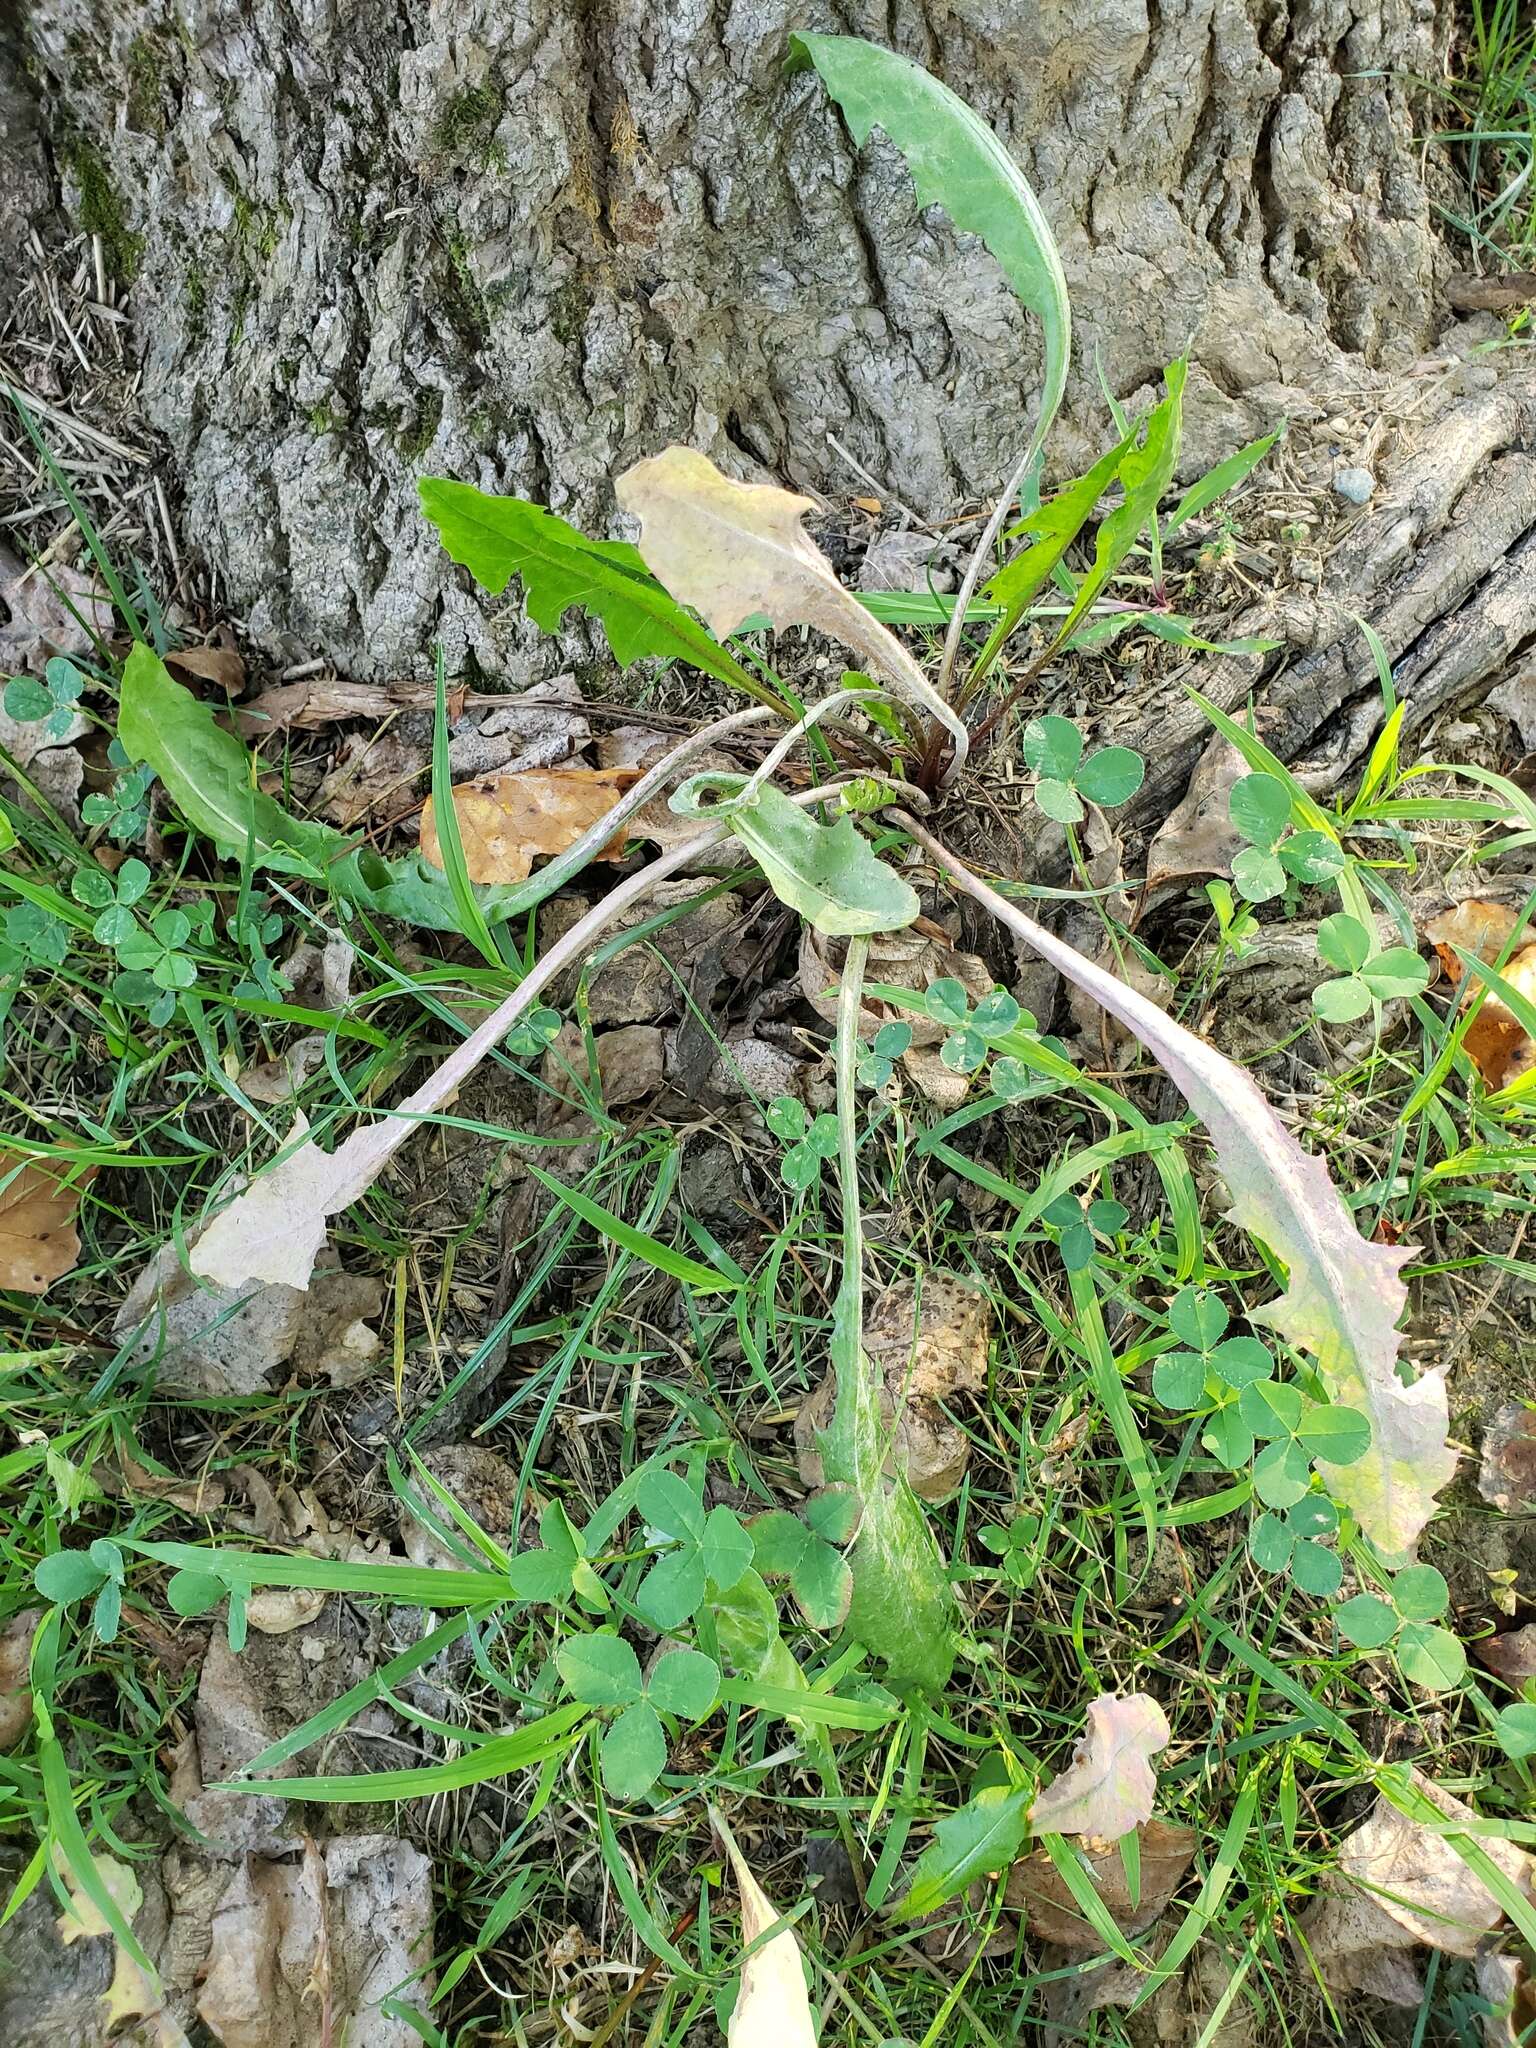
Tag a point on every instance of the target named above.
point(1052, 747)
point(1366, 1621)
point(67, 1576)
point(1259, 876)
point(1420, 1593)
point(1341, 1001)
point(1316, 1570)
point(497, 538)
point(1111, 776)
point(1260, 808)
point(1344, 943)
point(1515, 1730)
point(1430, 1657)
point(1199, 1317)
point(686, 1683)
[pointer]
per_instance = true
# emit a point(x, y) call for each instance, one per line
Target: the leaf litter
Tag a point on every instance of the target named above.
point(39, 1206)
point(1110, 1786)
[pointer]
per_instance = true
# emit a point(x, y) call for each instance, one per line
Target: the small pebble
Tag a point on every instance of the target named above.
point(1357, 485)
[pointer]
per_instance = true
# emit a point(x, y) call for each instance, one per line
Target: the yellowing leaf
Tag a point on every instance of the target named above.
point(507, 822)
point(38, 1240)
point(772, 2007)
point(1344, 1296)
point(84, 1920)
point(1110, 1786)
point(738, 551)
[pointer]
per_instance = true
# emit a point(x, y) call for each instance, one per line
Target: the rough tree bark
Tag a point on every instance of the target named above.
point(526, 244)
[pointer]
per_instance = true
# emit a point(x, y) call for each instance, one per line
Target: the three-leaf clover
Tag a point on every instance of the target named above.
point(602, 1671)
point(1260, 808)
point(532, 1035)
point(890, 1042)
point(808, 1553)
point(72, 1575)
point(1180, 1378)
point(706, 1549)
point(155, 969)
point(37, 934)
point(1292, 1542)
point(1079, 1228)
point(561, 1567)
point(1427, 1655)
point(811, 1141)
point(114, 896)
point(1019, 1548)
point(974, 1032)
point(1053, 748)
point(124, 808)
point(1294, 1431)
point(53, 700)
point(1366, 976)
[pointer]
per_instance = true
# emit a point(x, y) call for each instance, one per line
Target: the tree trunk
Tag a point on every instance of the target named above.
point(527, 244)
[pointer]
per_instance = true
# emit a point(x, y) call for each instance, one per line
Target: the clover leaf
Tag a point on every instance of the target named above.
point(1367, 976)
point(37, 934)
point(1053, 748)
point(705, 1550)
point(1078, 1228)
point(1260, 809)
point(808, 1555)
point(1018, 1546)
point(1180, 1378)
point(1292, 1542)
point(812, 1141)
point(123, 809)
point(1427, 1655)
point(603, 1672)
point(890, 1042)
point(69, 1576)
point(51, 701)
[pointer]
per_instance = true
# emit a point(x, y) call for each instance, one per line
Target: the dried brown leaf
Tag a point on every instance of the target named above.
point(311, 706)
point(1399, 1884)
point(1198, 837)
point(1110, 1786)
point(374, 777)
point(1496, 1042)
point(223, 666)
point(1037, 1886)
point(509, 821)
point(1512, 1655)
point(281, 1078)
point(1506, 1477)
point(38, 1239)
point(40, 622)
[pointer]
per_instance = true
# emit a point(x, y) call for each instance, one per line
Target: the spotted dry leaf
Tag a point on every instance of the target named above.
point(38, 1239)
point(1110, 1785)
point(507, 822)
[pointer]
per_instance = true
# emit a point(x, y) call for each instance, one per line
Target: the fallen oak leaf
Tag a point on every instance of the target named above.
point(506, 822)
point(1110, 1786)
point(772, 2009)
point(1344, 1296)
point(38, 1207)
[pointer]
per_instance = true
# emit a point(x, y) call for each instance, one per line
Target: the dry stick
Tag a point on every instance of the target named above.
point(273, 1231)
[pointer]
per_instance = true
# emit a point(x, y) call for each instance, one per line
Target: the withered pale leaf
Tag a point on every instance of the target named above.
point(507, 822)
point(772, 2007)
point(1344, 1296)
point(736, 551)
point(1400, 1885)
point(221, 666)
point(1198, 837)
point(1110, 1786)
point(38, 1239)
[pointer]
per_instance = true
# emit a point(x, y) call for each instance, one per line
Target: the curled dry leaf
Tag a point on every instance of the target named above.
point(928, 1346)
point(1037, 1886)
point(1496, 1042)
point(1512, 1656)
point(507, 822)
point(374, 778)
point(1110, 1786)
point(630, 1068)
point(1198, 837)
point(1400, 1885)
point(772, 2008)
point(1344, 1296)
point(1506, 1477)
point(217, 664)
point(280, 1079)
point(309, 706)
point(38, 1207)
